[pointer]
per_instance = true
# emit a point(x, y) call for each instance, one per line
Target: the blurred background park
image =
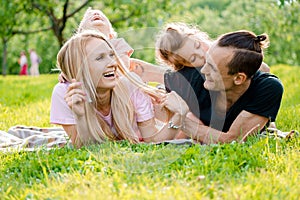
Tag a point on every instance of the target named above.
point(45, 25)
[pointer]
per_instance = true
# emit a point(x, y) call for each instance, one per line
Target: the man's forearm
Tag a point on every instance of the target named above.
point(202, 133)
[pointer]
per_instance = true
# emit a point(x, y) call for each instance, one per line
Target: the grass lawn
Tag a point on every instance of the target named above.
point(261, 168)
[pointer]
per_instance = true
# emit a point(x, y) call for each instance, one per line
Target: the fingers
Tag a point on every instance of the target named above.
point(165, 100)
point(75, 91)
point(157, 100)
point(62, 78)
point(74, 99)
point(74, 94)
point(75, 86)
point(173, 102)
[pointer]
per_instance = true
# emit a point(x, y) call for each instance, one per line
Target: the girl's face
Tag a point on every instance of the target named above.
point(193, 51)
point(102, 64)
point(95, 19)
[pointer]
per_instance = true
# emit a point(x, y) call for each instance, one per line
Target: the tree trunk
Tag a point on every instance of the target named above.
point(4, 57)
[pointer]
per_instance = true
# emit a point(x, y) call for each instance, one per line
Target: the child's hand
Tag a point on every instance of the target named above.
point(173, 102)
point(61, 78)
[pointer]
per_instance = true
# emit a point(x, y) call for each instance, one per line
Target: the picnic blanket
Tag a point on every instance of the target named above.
point(29, 138)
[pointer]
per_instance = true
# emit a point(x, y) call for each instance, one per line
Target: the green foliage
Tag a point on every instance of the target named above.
point(261, 168)
point(280, 23)
point(140, 21)
point(10, 12)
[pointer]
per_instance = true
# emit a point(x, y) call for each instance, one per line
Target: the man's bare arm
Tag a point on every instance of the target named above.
point(245, 124)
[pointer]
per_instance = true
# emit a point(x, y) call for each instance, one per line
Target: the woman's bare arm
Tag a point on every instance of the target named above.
point(153, 133)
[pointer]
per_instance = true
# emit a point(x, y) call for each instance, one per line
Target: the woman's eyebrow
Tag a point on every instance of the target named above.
point(100, 54)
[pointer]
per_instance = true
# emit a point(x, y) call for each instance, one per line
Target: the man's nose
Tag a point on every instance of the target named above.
point(204, 69)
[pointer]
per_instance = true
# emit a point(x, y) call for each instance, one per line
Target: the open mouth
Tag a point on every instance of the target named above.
point(109, 74)
point(96, 17)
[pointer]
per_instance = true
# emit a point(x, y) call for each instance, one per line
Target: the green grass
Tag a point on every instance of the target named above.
point(261, 168)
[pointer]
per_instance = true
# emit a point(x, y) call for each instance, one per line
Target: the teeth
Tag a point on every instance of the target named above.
point(109, 74)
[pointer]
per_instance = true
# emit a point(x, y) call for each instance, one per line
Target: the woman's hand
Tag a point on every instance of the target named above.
point(173, 102)
point(75, 98)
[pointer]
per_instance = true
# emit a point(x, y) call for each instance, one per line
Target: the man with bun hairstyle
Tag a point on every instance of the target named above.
point(244, 99)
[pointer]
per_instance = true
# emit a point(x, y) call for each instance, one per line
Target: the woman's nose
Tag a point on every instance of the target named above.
point(112, 61)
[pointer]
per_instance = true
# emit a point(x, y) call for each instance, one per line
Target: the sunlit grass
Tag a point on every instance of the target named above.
point(261, 168)
point(25, 100)
point(288, 117)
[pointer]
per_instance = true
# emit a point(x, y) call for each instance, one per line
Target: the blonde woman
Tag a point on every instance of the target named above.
point(95, 105)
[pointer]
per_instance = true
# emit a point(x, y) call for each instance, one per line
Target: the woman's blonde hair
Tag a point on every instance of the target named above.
point(72, 61)
point(172, 38)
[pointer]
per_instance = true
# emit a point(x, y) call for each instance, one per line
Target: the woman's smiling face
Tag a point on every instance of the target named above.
point(102, 64)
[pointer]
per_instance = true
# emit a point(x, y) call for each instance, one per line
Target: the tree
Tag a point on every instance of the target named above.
point(58, 18)
point(139, 21)
point(9, 13)
point(13, 22)
point(284, 2)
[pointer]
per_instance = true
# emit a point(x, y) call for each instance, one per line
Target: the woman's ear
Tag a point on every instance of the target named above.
point(240, 78)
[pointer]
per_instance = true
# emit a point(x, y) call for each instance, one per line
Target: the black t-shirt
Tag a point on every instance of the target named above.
point(188, 83)
point(263, 97)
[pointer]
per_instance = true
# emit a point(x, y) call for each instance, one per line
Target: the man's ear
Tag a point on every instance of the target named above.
point(240, 78)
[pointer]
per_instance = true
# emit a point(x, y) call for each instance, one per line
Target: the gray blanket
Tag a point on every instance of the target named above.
point(24, 138)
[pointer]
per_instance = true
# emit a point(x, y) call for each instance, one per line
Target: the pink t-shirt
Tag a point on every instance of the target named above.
point(61, 114)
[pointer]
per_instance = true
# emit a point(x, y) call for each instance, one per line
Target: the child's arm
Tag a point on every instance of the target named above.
point(147, 71)
point(264, 67)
